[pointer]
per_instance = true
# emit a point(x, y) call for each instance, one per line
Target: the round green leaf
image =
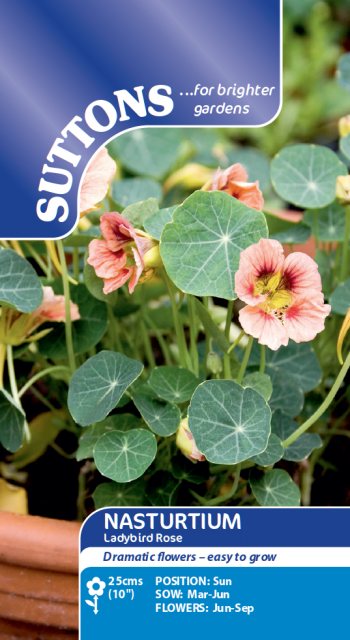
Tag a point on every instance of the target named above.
point(162, 417)
point(90, 435)
point(305, 175)
point(131, 190)
point(173, 384)
point(343, 71)
point(256, 163)
point(125, 456)
point(340, 298)
point(12, 421)
point(287, 394)
point(184, 469)
point(20, 287)
point(139, 212)
point(283, 427)
point(87, 331)
point(150, 152)
point(98, 385)
point(293, 234)
point(296, 361)
point(229, 423)
point(155, 224)
point(272, 454)
point(95, 285)
point(113, 494)
point(303, 447)
point(328, 224)
point(275, 489)
point(261, 382)
point(344, 146)
point(162, 489)
point(201, 247)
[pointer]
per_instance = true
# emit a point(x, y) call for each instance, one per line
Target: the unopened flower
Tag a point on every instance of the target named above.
point(344, 126)
point(96, 182)
point(186, 443)
point(234, 181)
point(17, 328)
point(345, 328)
point(283, 295)
point(191, 176)
point(342, 190)
point(123, 255)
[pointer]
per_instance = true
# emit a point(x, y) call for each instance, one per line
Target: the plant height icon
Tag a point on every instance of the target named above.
point(95, 588)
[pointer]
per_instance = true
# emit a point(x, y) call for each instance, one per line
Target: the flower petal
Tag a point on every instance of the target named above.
point(221, 178)
point(262, 258)
point(136, 271)
point(116, 230)
point(112, 284)
point(106, 263)
point(96, 181)
point(249, 193)
point(53, 308)
point(302, 275)
point(305, 318)
point(263, 326)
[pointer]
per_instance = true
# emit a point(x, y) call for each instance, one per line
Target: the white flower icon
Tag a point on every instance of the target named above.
point(96, 587)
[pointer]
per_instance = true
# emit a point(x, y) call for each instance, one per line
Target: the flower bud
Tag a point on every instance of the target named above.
point(342, 335)
point(214, 362)
point(344, 126)
point(186, 443)
point(152, 258)
point(342, 191)
point(191, 176)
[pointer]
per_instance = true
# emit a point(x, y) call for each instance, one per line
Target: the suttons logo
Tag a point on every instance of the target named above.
point(100, 117)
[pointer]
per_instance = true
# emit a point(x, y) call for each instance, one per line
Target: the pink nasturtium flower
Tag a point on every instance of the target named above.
point(234, 181)
point(123, 254)
point(96, 182)
point(17, 328)
point(186, 443)
point(52, 308)
point(283, 295)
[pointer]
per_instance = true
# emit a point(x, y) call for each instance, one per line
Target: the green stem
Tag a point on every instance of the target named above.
point(14, 389)
point(245, 360)
point(227, 361)
point(76, 269)
point(147, 344)
point(68, 322)
point(345, 255)
point(220, 499)
point(185, 359)
point(236, 342)
point(322, 408)
point(315, 228)
point(205, 301)
point(2, 363)
point(262, 358)
point(162, 343)
point(193, 334)
point(112, 322)
point(37, 258)
point(37, 376)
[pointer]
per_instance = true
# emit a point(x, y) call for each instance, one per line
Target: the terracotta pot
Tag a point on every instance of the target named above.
point(38, 578)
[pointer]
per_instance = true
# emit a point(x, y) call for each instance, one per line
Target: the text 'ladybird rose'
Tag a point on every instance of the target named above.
point(234, 181)
point(283, 295)
point(123, 255)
